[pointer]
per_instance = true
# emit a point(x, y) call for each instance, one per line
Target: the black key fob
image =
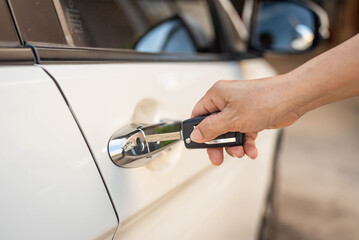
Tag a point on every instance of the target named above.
point(228, 139)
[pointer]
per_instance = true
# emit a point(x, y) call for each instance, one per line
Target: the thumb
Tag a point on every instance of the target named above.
point(210, 128)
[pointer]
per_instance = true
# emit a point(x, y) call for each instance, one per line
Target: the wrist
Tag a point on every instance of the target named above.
point(289, 98)
point(301, 93)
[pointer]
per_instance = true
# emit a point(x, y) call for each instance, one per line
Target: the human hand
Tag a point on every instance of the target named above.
point(254, 105)
point(246, 106)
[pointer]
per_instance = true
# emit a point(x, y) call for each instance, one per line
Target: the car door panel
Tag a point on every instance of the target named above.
point(217, 203)
point(50, 186)
point(106, 97)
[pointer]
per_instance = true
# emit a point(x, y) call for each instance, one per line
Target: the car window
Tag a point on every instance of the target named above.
point(122, 23)
point(8, 36)
point(115, 24)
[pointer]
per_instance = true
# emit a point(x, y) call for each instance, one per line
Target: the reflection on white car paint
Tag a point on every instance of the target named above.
point(137, 192)
point(49, 183)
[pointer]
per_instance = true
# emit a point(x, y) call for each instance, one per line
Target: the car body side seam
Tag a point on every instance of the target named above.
point(84, 137)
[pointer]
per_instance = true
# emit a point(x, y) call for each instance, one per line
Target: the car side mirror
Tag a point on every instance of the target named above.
point(178, 34)
point(171, 35)
point(288, 26)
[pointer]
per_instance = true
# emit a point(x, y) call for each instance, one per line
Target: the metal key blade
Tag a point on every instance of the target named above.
point(228, 139)
point(163, 137)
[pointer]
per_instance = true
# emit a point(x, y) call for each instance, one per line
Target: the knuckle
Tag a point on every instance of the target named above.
point(219, 84)
point(222, 82)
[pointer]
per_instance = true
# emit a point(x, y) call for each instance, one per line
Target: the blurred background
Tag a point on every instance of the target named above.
point(319, 165)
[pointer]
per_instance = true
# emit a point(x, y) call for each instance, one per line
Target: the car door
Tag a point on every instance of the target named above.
point(102, 60)
point(50, 186)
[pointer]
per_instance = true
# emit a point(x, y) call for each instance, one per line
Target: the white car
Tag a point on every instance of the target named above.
point(74, 72)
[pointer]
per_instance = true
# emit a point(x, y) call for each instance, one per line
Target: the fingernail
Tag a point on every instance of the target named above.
point(196, 136)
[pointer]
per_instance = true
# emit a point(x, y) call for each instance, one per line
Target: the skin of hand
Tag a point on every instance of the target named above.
point(250, 106)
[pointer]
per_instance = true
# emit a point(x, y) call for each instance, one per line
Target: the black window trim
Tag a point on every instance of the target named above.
point(51, 55)
point(16, 56)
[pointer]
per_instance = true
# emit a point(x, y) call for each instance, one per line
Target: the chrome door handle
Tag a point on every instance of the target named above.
point(128, 146)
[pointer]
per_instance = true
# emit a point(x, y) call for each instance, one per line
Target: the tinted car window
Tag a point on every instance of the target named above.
point(38, 21)
point(8, 36)
point(123, 23)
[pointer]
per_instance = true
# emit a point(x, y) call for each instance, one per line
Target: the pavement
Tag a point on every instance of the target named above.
point(319, 171)
point(319, 175)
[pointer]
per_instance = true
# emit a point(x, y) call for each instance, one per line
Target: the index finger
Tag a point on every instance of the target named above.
point(204, 107)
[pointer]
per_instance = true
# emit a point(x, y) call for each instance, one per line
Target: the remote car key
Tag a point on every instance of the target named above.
point(225, 140)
